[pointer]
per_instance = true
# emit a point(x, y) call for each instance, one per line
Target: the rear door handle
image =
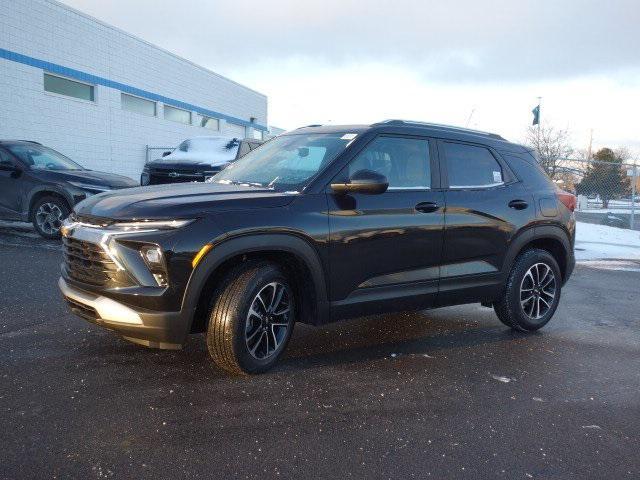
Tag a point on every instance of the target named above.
point(518, 204)
point(427, 207)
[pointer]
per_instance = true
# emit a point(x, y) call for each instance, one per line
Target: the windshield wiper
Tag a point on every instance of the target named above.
point(236, 182)
point(272, 182)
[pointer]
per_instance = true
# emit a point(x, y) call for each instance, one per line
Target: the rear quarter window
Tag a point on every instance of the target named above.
point(529, 171)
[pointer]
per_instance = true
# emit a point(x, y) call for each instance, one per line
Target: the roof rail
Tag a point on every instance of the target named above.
point(19, 140)
point(437, 125)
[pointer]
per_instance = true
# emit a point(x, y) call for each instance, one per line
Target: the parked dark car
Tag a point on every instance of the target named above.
point(196, 160)
point(40, 185)
point(321, 224)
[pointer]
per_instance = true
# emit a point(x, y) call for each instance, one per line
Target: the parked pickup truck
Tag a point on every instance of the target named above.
point(196, 160)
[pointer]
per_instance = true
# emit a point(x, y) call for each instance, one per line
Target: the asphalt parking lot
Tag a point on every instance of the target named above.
point(447, 393)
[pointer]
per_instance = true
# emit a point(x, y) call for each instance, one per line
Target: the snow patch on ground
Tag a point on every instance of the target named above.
point(618, 265)
point(502, 379)
point(596, 242)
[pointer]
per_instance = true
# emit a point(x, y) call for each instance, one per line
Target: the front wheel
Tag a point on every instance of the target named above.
point(532, 292)
point(48, 214)
point(251, 319)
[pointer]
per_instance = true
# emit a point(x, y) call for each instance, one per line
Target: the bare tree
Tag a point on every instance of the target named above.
point(552, 146)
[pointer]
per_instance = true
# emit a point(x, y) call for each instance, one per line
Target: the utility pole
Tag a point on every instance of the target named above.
point(590, 144)
point(470, 115)
point(539, 118)
point(634, 180)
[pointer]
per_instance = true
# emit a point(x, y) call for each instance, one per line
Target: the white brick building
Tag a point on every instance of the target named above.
point(90, 90)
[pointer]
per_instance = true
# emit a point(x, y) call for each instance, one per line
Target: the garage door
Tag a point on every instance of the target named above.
point(232, 130)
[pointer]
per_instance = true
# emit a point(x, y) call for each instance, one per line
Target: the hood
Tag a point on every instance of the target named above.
point(210, 151)
point(192, 164)
point(182, 200)
point(207, 158)
point(91, 177)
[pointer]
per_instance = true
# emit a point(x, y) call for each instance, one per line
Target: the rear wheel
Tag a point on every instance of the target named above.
point(48, 214)
point(251, 319)
point(532, 292)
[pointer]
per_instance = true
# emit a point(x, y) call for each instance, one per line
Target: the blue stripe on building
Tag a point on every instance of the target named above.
point(96, 80)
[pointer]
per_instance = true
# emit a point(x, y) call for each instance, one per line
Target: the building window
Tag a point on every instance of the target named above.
point(210, 123)
point(68, 88)
point(138, 105)
point(177, 115)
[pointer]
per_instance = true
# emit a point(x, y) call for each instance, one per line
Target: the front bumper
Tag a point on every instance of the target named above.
point(166, 330)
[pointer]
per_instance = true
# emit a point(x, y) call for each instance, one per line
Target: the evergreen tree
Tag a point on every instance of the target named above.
point(608, 179)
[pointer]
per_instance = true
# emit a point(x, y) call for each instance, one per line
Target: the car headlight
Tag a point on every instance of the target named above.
point(149, 225)
point(118, 228)
point(91, 188)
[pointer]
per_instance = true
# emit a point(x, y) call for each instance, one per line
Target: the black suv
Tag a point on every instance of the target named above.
point(40, 185)
point(319, 224)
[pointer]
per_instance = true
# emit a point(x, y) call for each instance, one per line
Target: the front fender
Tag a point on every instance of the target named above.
point(47, 188)
point(251, 243)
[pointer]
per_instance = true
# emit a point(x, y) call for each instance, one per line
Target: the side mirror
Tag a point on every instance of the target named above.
point(164, 154)
point(363, 181)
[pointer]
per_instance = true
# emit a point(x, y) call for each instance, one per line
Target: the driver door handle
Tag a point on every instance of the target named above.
point(518, 204)
point(427, 207)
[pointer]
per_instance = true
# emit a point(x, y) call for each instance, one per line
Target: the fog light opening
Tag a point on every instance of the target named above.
point(153, 256)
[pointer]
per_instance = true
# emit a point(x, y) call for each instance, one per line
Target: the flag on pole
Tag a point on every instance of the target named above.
point(536, 115)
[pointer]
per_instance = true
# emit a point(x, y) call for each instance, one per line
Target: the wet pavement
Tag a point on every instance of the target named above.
point(447, 393)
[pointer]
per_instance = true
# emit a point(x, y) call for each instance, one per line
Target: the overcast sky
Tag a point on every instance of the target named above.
point(346, 61)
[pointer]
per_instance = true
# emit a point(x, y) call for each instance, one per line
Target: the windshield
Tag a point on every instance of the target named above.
point(286, 162)
point(43, 158)
point(208, 144)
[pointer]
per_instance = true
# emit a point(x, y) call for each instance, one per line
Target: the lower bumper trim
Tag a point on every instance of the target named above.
point(106, 308)
point(155, 329)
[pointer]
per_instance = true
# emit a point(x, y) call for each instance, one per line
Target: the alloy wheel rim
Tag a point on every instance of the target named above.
point(537, 291)
point(49, 218)
point(268, 320)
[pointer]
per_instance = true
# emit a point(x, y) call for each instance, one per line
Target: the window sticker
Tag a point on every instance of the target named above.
point(348, 136)
point(497, 177)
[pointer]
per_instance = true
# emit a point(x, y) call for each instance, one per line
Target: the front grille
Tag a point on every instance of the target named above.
point(159, 179)
point(88, 263)
point(178, 175)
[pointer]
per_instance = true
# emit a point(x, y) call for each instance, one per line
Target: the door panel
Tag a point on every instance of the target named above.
point(480, 222)
point(479, 227)
point(385, 249)
point(10, 190)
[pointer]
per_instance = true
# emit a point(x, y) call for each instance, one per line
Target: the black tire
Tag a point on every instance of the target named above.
point(509, 308)
point(230, 323)
point(49, 228)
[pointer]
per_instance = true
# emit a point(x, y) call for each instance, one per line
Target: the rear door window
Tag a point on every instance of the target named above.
point(471, 166)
